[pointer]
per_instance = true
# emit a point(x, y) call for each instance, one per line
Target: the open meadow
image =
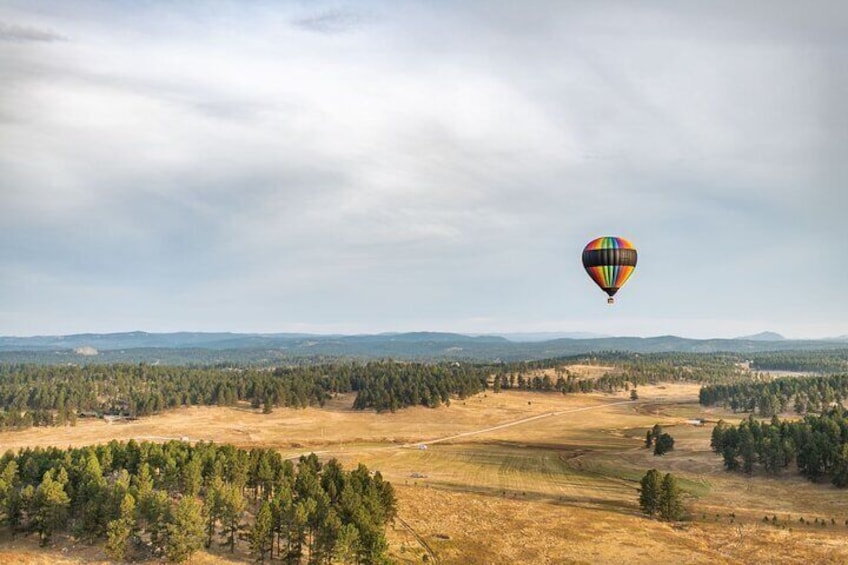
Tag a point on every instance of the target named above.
point(516, 477)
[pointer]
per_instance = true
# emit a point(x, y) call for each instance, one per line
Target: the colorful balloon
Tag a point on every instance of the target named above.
point(609, 261)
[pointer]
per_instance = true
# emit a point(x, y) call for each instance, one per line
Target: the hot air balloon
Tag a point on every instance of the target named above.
point(609, 261)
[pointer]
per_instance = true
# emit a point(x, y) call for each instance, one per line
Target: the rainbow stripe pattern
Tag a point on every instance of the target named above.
point(610, 261)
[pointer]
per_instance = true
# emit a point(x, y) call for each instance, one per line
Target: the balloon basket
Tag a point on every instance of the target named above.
point(610, 300)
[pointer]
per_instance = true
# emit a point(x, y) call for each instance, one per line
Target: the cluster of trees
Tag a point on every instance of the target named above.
point(390, 386)
point(655, 368)
point(146, 499)
point(817, 445)
point(660, 496)
point(32, 395)
point(661, 441)
point(564, 382)
point(770, 397)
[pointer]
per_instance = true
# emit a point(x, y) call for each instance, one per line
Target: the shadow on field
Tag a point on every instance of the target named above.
point(581, 501)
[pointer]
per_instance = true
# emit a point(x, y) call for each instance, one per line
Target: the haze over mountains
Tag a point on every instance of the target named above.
point(202, 347)
point(764, 336)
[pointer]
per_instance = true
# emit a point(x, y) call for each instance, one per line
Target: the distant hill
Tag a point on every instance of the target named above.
point(133, 340)
point(839, 338)
point(764, 336)
point(269, 349)
point(547, 336)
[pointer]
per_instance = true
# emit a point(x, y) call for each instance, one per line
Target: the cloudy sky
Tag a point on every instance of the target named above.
point(391, 166)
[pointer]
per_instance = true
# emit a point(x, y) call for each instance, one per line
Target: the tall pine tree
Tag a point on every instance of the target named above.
point(670, 502)
point(184, 530)
point(649, 492)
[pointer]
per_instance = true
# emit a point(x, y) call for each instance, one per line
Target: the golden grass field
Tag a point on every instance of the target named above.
point(517, 478)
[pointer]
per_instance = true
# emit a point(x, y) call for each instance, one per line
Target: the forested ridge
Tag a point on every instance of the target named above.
point(146, 499)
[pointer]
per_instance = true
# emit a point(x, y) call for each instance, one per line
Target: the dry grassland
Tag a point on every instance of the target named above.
point(520, 478)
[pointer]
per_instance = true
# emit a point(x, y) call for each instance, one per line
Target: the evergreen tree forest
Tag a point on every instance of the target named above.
point(630, 370)
point(835, 361)
point(32, 395)
point(817, 446)
point(147, 500)
point(802, 395)
point(45, 395)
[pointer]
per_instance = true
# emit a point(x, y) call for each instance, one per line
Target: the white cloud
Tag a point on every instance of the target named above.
point(417, 163)
point(17, 32)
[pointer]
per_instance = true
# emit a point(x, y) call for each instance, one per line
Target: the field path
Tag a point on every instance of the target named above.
point(509, 424)
point(433, 557)
point(517, 423)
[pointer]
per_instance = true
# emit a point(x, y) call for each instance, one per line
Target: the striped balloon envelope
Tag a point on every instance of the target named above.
point(609, 261)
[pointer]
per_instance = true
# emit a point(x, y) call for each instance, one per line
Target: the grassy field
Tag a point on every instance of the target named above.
point(518, 478)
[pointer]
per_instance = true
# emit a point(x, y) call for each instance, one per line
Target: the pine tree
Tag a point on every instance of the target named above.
point(670, 502)
point(90, 499)
point(262, 532)
point(212, 507)
point(840, 467)
point(10, 500)
point(119, 532)
point(663, 444)
point(184, 530)
point(50, 508)
point(328, 533)
point(747, 448)
point(192, 477)
point(347, 544)
point(283, 511)
point(656, 431)
point(717, 437)
point(156, 517)
point(649, 492)
point(265, 475)
point(232, 506)
point(143, 487)
point(116, 493)
point(297, 532)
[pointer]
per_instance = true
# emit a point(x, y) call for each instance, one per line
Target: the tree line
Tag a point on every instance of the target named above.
point(146, 500)
point(39, 395)
point(628, 370)
point(32, 395)
point(816, 445)
point(637, 369)
point(396, 386)
point(768, 397)
point(835, 361)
